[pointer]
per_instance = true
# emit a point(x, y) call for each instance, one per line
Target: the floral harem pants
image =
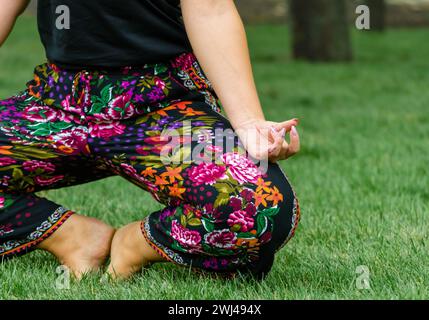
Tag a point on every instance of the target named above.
point(160, 127)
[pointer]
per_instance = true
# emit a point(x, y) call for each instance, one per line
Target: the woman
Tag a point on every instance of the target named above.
point(124, 93)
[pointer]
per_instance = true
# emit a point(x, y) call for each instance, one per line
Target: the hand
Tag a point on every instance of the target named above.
point(266, 139)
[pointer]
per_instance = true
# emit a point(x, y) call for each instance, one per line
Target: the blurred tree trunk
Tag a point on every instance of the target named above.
point(320, 30)
point(378, 14)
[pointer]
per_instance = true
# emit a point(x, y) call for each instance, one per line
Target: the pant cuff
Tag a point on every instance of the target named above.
point(13, 248)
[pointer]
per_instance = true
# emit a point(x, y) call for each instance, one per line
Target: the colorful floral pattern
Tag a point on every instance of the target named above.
point(68, 128)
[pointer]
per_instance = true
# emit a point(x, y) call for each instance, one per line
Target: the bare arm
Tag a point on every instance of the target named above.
point(218, 38)
point(10, 10)
point(219, 41)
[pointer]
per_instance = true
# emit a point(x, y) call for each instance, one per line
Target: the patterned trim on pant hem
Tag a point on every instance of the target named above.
point(145, 228)
point(48, 227)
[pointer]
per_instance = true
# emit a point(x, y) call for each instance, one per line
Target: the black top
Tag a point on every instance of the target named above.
point(111, 33)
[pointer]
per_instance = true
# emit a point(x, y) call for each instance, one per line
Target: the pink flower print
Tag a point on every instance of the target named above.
point(33, 165)
point(5, 229)
point(184, 62)
point(6, 161)
point(125, 84)
point(75, 138)
point(236, 203)
point(250, 209)
point(247, 194)
point(185, 237)
point(241, 220)
point(224, 239)
point(36, 113)
point(242, 169)
point(68, 106)
point(206, 173)
point(106, 130)
point(41, 181)
point(160, 83)
point(121, 107)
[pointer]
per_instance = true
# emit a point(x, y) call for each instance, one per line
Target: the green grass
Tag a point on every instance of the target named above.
point(362, 178)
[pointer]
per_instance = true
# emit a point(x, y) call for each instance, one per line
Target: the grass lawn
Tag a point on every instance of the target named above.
point(362, 178)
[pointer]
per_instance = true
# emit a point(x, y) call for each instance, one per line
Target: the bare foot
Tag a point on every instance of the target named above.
point(130, 252)
point(81, 243)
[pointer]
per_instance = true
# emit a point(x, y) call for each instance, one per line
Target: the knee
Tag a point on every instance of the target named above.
point(277, 205)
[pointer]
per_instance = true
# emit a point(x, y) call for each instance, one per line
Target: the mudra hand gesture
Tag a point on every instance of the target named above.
point(267, 139)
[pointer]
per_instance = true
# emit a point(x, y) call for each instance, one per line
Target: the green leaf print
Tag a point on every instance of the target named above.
point(261, 224)
point(222, 199)
point(208, 225)
point(28, 152)
point(47, 128)
point(142, 120)
point(17, 174)
point(194, 222)
point(270, 212)
point(224, 187)
point(183, 221)
point(7, 168)
point(160, 68)
point(176, 246)
point(59, 126)
point(106, 95)
point(7, 203)
point(245, 235)
point(217, 251)
point(49, 102)
point(42, 132)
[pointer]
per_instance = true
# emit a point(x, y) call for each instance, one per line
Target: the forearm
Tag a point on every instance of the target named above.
point(9, 11)
point(218, 39)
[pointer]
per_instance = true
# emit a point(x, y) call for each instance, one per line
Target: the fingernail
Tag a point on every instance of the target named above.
point(283, 132)
point(294, 131)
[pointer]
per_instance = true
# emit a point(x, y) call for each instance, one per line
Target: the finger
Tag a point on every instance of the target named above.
point(295, 144)
point(264, 131)
point(287, 125)
point(276, 147)
point(283, 153)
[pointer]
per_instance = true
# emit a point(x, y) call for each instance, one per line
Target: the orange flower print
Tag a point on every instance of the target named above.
point(173, 174)
point(275, 196)
point(161, 112)
point(66, 149)
point(250, 243)
point(160, 181)
point(191, 112)
point(5, 150)
point(181, 105)
point(263, 185)
point(176, 191)
point(260, 199)
point(148, 172)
